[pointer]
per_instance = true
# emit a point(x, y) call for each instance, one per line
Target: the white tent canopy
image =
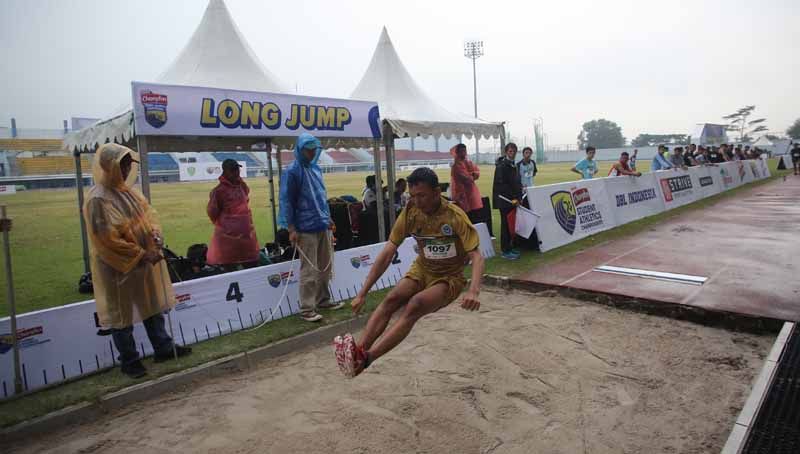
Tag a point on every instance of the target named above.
point(406, 107)
point(217, 55)
point(763, 142)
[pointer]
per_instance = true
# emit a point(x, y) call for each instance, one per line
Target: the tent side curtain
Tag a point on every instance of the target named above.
point(117, 129)
point(425, 129)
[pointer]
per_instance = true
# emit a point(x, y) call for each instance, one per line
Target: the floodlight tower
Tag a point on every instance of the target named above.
point(474, 50)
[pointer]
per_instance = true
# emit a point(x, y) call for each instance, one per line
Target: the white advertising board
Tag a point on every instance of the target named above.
point(204, 171)
point(634, 198)
point(570, 211)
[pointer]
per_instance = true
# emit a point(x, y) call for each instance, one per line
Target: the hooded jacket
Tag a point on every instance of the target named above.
point(303, 198)
point(121, 227)
point(463, 189)
point(234, 239)
point(506, 183)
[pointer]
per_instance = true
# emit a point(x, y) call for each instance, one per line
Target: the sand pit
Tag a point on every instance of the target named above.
point(528, 374)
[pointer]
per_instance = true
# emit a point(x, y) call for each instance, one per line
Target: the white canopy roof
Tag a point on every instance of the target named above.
point(761, 142)
point(217, 55)
point(406, 107)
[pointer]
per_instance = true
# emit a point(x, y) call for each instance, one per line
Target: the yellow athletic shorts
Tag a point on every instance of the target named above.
point(455, 283)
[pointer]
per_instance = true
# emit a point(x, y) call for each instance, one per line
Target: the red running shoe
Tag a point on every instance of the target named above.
point(350, 357)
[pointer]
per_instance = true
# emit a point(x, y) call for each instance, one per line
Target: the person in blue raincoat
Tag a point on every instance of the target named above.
point(304, 210)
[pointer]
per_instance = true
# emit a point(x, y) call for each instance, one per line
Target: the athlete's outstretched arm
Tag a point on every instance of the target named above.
point(470, 300)
point(382, 262)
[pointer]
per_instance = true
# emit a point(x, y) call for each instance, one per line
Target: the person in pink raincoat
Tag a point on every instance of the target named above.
point(463, 189)
point(234, 240)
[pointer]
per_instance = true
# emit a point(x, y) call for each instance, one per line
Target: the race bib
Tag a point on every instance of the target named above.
point(439, 249)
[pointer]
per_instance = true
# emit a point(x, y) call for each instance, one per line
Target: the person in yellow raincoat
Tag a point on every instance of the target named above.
point(130, 278)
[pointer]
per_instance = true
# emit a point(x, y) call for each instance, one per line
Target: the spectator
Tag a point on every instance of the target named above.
point(632, 160)
point(622, 167)
point(527, 168)
point(587, 167)
point(234, 240)
point(304, 203)
point(676, 159)
point(659, 162)
point(506, 185)
point(727, 152)
point(739, 154)
point(131, 281)
point(796, 158)
point(463, 189)
point(715, 156)
point(688, 158)
point(401, 197)
point(701, 156)
point(369, 196)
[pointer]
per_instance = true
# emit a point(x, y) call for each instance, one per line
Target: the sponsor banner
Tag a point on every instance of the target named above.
point(706, 180)
point(66, 341)
point(570, 211)
point(203, 171)
point(677, 188)
point(728, 174)
point(633, 198)
point(178, 110)
point(8, 189)
point(764, 164)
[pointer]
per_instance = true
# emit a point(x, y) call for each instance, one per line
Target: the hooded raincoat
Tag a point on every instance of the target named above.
point(121, 227)
point(463, 189)
point(303, 198)
point(234, 240)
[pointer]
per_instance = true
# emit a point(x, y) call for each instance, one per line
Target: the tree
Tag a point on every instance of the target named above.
point(774, 137)
point(794, 130)
point(738, 122)
point(650, 140)
point(601, 134)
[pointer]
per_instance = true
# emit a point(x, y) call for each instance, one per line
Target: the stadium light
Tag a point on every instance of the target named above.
point(474, 50)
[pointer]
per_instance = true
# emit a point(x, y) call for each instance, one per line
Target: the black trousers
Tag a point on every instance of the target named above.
point(506, 238)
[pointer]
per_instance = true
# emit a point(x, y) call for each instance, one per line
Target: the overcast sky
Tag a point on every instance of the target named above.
point(650, 66)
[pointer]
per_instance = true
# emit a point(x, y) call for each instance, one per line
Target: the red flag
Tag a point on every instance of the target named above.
point(511, 217)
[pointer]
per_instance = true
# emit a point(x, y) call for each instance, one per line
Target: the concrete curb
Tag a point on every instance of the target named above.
point(88, 411)
point(727, 320)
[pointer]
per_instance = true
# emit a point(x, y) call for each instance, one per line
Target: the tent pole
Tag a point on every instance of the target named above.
point(271, 190)
point(390, 170)
point(278, 161)
point(141, 142)
point(379, 193)
point(12, 308)
point(79, 185)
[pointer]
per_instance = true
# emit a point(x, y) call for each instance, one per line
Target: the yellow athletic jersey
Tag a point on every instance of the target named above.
point(443, 238)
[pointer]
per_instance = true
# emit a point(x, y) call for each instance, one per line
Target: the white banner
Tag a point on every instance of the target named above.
point(707, 180)
point(6, 189)
point(202, 171)
point(677, 187)
point(64, 342)
point(634, 198)
point(570, 211)
point(178, 110)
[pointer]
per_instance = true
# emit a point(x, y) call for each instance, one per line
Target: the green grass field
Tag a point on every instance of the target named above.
point(46, 244)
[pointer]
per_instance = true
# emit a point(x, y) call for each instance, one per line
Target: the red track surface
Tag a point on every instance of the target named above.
point(748, 247)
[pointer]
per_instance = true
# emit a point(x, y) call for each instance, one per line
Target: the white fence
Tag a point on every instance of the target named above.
point(571, 211)
point(63, 342)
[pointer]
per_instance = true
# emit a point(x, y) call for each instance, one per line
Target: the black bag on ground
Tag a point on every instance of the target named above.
point(85, 283)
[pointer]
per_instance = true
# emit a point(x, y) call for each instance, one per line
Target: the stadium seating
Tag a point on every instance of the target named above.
point(241, 157)
point(161, 161)
point(342, 157)
point(51, 165)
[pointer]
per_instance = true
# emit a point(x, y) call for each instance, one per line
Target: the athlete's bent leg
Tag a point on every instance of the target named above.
point(423, 303)
point(380, 317)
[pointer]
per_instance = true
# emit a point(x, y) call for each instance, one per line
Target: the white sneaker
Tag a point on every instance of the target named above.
point(310, 316)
